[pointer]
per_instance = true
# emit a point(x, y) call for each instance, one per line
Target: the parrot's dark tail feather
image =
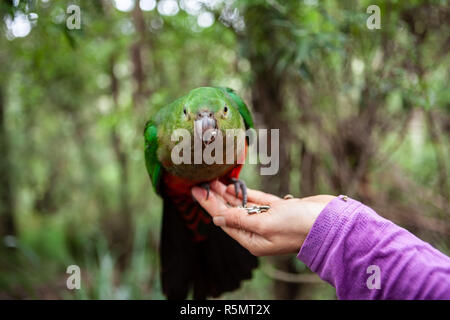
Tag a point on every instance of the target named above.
point(209, 267)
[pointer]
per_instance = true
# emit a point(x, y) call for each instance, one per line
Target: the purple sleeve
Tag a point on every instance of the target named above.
point(365, 256)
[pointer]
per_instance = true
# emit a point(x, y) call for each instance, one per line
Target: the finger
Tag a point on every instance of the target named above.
point(238, 218)
point(218, 187)
point(241, 236)
point(250, 241)
point(256, 196)
point(213, 205)
point(236, 202)
point(221, 190)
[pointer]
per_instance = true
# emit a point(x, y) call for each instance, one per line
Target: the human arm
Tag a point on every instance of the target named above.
point(341, 240)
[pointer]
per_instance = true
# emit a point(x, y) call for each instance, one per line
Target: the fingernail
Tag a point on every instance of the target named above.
point(219, 221)
point(198, 193)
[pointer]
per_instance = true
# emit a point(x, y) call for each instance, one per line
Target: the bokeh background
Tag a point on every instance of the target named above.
point(361, 112)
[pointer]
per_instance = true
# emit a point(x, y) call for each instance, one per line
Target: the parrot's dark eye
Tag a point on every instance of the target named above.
point(184, 111)
point(225, 109)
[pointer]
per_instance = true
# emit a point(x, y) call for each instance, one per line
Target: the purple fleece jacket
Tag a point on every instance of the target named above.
point(365, 256)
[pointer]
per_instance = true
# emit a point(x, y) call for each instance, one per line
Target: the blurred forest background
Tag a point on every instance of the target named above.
point(362, 112)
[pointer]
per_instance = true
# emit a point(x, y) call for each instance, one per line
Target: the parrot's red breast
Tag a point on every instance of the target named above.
point(179, 191)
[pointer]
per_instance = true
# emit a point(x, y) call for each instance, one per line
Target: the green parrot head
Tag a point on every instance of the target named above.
point(205, 111)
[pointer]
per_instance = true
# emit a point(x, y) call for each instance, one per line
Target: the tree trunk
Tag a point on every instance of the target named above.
point(7, 226)
point(267, 100)
point(120, 226)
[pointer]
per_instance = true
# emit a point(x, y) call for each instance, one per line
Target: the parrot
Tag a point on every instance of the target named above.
point(195, 255)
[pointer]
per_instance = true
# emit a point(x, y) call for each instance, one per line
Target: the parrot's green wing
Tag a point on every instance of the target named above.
point(151, 159)
point(242, 108)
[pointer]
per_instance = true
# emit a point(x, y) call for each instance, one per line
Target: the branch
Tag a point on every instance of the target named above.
point(291, 277)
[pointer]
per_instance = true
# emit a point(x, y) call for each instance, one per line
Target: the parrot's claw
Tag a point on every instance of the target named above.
point(207, 188)
point(240, 185)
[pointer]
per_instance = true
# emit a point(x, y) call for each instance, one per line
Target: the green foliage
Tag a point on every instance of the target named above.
point(75, 104)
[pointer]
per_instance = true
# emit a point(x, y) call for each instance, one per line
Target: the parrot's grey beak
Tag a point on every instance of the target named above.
point(205, 127)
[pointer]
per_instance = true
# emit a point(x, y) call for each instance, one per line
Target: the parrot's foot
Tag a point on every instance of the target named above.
point(206, 186)
point(240, 185)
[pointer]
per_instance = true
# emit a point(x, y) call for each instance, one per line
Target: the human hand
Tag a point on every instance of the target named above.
point(280, 230)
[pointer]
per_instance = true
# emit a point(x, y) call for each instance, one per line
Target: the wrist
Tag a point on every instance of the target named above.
point(320, 236)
